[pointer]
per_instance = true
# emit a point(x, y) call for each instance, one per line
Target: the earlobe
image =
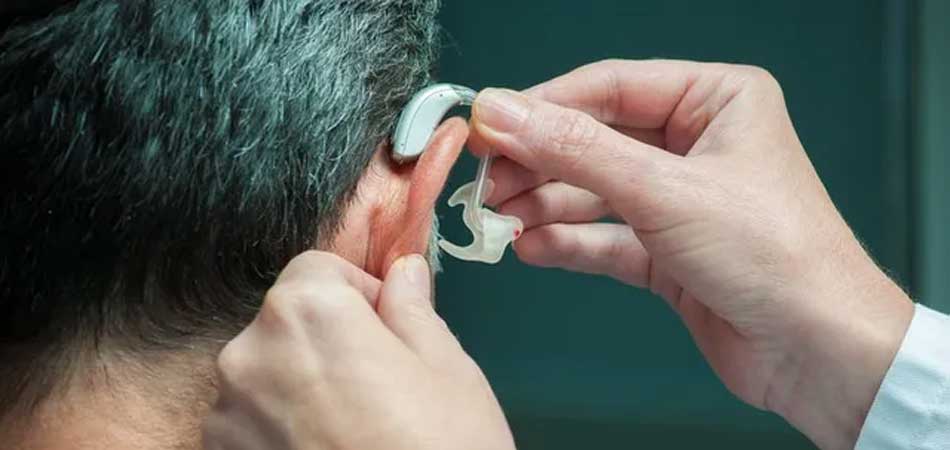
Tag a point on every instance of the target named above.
point(405, 224)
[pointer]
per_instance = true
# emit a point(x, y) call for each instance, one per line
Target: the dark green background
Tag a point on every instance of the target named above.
point(583, 362)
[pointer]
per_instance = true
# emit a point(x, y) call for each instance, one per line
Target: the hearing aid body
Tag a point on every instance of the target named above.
point(422, 115)
point(491, 232)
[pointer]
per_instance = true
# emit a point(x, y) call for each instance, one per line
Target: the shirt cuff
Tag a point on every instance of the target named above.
point(912, 408)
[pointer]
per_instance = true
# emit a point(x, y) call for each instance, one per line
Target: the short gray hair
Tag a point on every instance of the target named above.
point(163, 159)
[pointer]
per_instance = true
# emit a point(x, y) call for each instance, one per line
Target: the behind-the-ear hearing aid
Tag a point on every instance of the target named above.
point(491, 232)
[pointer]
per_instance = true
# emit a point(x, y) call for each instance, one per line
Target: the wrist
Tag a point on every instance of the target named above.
point(850, 322)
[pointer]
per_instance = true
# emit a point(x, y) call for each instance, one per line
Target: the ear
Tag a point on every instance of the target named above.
point(402, 223)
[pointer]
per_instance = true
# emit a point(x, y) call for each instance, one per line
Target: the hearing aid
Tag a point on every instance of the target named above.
point(491, 232)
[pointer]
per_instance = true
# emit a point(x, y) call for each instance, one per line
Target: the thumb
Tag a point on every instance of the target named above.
point(571, 146)
point(405, 306)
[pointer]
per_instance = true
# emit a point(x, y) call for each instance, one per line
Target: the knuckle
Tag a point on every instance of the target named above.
point(233, 364)
point(309, 266)
point(759, 73)
point(317, 261)
point(604, 64)
point(573, 134)
point(285, 305)
point(760, 77)
point(279, 306)
point(591, 69)
point(304, 260)
point(603, 76)
point(313, 256)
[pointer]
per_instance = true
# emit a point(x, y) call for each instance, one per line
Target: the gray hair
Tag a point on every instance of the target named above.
point(162, 160)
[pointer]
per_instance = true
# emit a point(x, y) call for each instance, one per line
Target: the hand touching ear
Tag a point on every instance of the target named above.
point(319, 368)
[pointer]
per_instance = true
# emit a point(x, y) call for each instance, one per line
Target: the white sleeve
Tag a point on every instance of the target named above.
point(912, 408)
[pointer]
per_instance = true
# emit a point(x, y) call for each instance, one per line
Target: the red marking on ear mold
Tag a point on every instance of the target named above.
point(517, 234)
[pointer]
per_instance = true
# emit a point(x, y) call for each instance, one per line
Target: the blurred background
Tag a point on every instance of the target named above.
point(584, 362)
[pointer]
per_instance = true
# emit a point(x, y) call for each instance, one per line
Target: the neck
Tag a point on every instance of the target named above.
point(121, 406)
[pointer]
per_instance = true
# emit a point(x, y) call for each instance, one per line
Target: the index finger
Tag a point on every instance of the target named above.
point(320, 293)
point(634, 94)
point(570, 146)
point(314, 267)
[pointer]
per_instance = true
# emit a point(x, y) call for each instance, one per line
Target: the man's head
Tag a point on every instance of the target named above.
point(163, 159)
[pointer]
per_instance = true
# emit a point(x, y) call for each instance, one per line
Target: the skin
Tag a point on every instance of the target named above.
point(337, 359)
point(720, 213)
point(341, 357)
point(716, 209)
point(162, 404)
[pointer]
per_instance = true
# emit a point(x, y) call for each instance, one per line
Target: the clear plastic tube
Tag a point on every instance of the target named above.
point(478, 200)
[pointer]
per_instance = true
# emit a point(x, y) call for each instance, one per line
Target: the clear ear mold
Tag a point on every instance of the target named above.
point(491, 232)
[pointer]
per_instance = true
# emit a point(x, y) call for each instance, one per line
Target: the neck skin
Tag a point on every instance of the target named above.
point(122, 405)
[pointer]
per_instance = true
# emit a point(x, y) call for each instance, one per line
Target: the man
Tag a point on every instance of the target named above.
point(162, 161)
point(719, 212)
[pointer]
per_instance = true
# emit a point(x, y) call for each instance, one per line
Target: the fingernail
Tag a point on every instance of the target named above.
point(415, 269)
point(501, 110)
